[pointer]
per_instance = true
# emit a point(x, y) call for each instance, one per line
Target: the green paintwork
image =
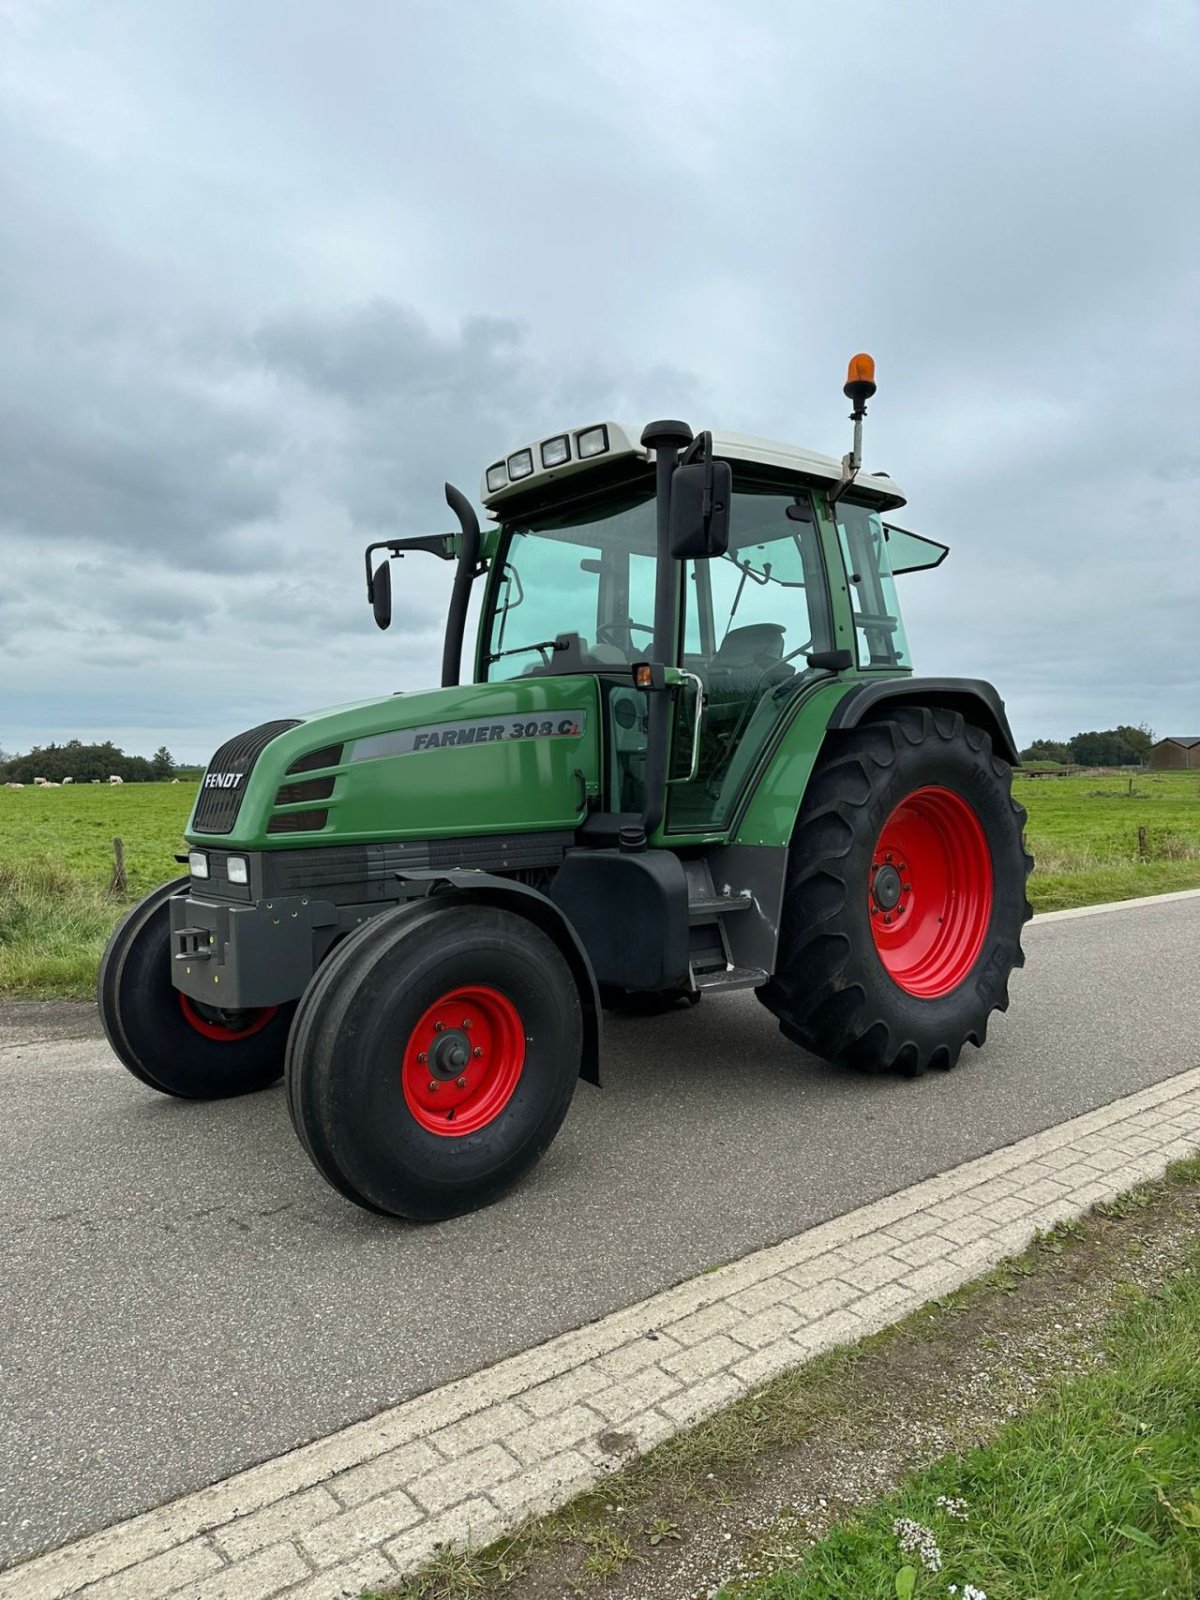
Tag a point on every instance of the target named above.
point(514, 785)
point(775, 799)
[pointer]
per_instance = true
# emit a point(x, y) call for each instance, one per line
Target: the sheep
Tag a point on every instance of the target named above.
point(116, 780)
point(68, 780)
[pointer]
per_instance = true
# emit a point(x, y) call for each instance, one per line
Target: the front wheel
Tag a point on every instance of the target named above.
point(905, 896)
point(174, 1044)
point(434, 1058)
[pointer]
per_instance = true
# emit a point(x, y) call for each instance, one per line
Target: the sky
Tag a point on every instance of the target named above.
point(270, 274)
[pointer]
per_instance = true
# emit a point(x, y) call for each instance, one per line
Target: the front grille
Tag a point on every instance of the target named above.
point(297, 821)
point(328, 756)
point(311, 789)
point(217, 807)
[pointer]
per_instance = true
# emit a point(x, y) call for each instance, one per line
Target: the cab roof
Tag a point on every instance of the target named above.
point(878, 488)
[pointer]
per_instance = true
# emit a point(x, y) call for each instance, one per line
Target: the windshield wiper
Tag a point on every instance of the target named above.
point(523, 649)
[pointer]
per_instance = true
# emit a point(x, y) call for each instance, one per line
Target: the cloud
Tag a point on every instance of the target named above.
point(268, 277)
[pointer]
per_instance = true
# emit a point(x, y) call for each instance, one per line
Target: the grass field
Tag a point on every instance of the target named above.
point(56, 859)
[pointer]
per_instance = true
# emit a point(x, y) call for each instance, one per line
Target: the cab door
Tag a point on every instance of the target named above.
point(750, 618)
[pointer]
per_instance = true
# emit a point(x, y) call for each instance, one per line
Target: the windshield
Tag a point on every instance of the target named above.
point(575, 592)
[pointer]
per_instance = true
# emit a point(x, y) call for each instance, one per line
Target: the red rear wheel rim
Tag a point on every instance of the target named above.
point(463, 1061)
point(930, 894)
point(212, 1027)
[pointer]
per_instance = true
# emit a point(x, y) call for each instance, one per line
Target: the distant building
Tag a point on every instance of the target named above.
point(1176, 754)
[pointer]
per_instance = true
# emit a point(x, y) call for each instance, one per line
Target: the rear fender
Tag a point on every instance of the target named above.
point(485, 889)
point(976, 699)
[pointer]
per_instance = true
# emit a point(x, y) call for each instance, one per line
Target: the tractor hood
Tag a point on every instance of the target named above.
point(483, 759)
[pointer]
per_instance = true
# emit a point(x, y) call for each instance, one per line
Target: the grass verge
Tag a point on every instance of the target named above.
point(1058, 1396)
point(53, 929)
point(1095, 1495)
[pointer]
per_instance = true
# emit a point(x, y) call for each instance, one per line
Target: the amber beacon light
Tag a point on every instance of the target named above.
point(860, 382)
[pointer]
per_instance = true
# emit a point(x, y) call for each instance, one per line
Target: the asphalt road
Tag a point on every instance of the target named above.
point(184, 1296)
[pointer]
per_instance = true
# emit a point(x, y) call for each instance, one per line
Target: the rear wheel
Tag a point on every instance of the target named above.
point(434, 1058)
point(171, 1042)
point(905, 896)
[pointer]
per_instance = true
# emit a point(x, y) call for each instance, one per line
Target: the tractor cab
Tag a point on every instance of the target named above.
point(747, 570)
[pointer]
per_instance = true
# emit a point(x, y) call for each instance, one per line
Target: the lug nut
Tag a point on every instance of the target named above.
point(439, 1027)
point(460, 1083)
point(478, 1050)
point(887, 918)
point(422, 1057)
point(466, 1024)
point(908, 888)
point(433, 1085)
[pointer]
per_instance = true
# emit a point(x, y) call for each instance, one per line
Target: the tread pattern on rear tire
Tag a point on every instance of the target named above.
point(830, 991)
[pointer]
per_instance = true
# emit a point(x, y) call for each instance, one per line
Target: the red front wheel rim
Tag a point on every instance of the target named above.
point(930, 894)
point(225, 1028)
point(463, 1061)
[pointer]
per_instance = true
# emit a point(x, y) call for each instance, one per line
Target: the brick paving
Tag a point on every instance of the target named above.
point(467, 1461)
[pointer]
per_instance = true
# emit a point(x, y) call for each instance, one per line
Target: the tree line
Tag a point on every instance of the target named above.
point(85, 762)
point(1113, 747)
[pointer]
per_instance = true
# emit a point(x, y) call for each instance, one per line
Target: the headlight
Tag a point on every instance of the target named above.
point(555, 451)
point(497, 477)
point(197, 864)
point(592, 442)
point(237, 869)
point(520, 465)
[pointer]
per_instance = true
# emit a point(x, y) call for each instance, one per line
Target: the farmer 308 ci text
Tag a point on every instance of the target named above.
point(692, 756)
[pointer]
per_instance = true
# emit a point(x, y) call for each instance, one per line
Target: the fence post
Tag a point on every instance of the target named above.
point(1143, 847)
point(118, 887)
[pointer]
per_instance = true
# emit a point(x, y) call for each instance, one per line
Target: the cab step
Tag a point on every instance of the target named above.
point(730, 978)
point(705, 907)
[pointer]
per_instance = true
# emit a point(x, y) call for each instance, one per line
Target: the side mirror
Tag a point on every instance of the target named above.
point(701, 497)
point(381, 594)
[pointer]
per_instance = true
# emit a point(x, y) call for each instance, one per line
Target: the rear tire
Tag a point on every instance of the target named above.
point(473, 999)
point(855, 982)
point(168, 1041)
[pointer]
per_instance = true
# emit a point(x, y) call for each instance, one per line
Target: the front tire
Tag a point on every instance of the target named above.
point(905, 896)
point(166, 1040)
point(434, 1058)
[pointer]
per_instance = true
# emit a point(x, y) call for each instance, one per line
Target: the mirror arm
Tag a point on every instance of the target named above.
point(438, 544)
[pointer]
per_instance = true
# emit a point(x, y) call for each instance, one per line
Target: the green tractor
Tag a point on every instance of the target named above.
point(692, 757)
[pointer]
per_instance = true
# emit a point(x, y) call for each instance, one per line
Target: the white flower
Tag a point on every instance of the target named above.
point(953, 1506)
point(916, 1539)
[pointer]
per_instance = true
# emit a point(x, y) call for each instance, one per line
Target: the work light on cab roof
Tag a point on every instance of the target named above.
point(686, 754)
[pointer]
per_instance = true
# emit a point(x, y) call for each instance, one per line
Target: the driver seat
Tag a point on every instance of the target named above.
point(757, 644)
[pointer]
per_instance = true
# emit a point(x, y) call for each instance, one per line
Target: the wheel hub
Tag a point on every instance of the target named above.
point(449, 1054)
point(886, 888)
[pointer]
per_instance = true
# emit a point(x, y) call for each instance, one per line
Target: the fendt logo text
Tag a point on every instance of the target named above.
point(223, 780)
